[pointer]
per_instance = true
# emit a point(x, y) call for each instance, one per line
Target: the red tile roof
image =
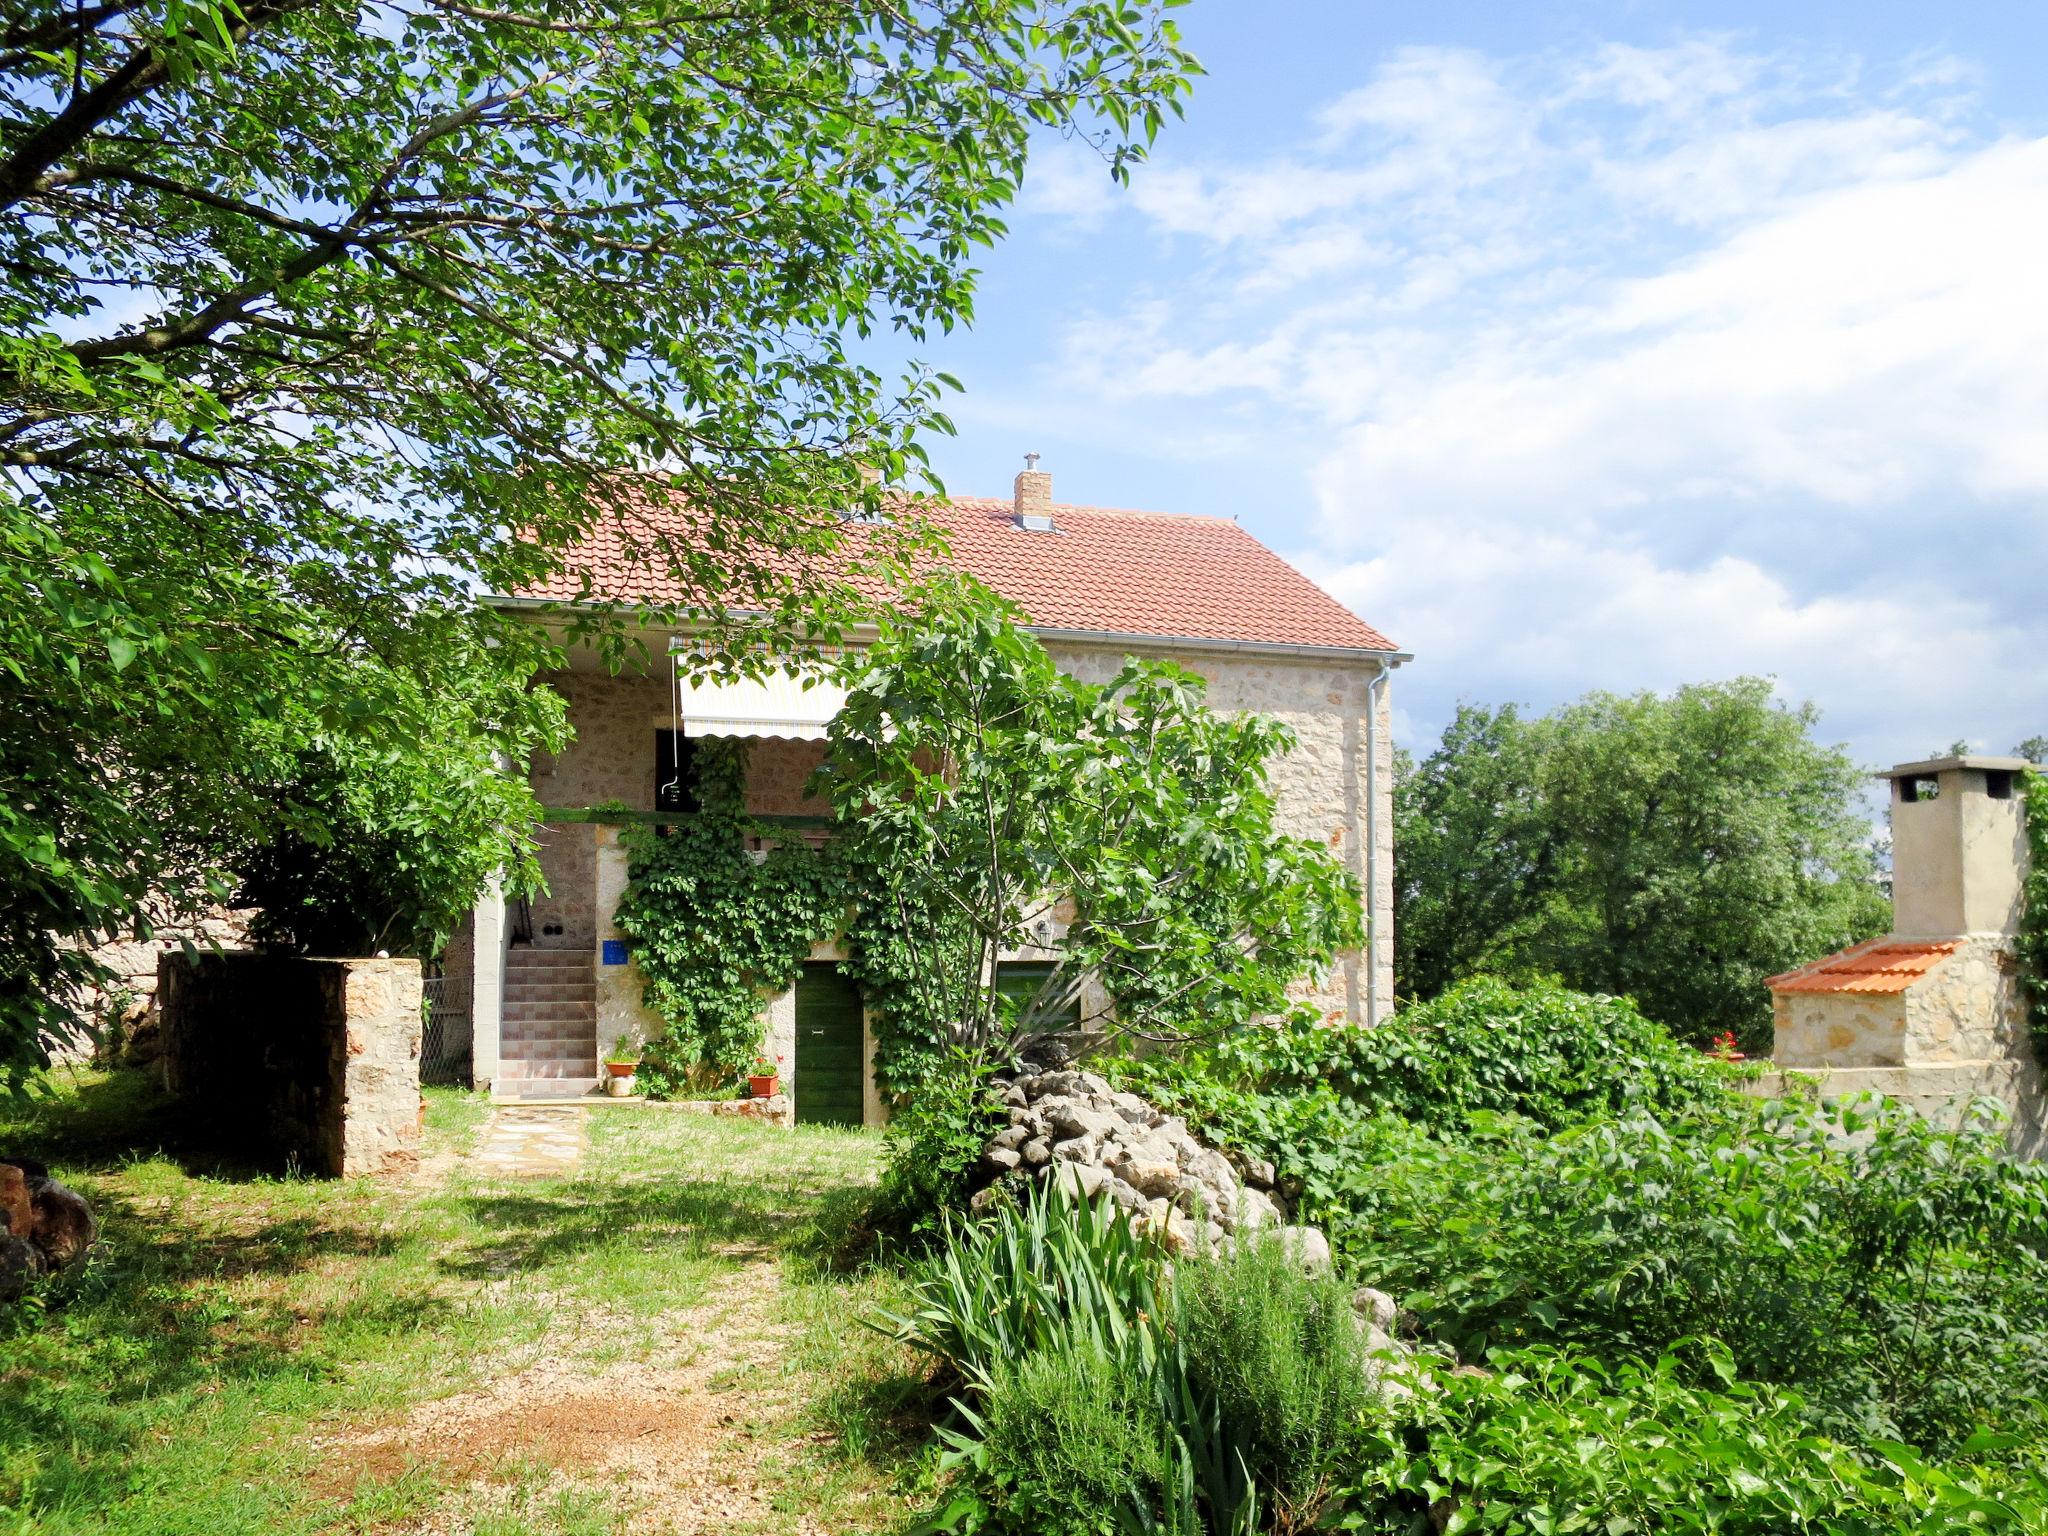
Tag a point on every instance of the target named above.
point(1102, 570)
point(1873, 966)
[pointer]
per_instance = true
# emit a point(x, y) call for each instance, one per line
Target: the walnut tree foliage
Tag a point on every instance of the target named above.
point(315, 317)
point(1672, 849)
point(1126, 828)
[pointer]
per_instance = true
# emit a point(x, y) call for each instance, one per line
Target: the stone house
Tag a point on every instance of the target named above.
point(555, 982)
point(1932, 1013)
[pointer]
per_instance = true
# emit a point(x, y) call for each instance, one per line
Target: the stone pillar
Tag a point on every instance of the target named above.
point(489, 937)
point(621, 1013)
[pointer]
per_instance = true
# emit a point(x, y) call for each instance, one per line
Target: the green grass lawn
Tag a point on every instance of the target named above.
point(231, 1357)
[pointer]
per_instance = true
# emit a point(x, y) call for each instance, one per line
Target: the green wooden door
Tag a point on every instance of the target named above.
point(831, 1061)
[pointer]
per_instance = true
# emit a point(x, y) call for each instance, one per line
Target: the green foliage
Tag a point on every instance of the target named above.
point(1229, 1390)
point(713, 928)
point(1890, 1270)
point(1544, 1052)
point(2031, 944)
point(1673, 850)
point(966, 764)
point(935, 1138)
point(1558, 1441)
point(315, 320)
point(378, 846)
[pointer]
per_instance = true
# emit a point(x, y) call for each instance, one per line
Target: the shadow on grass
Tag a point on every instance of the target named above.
point(106, 1361)
point(101, 1123)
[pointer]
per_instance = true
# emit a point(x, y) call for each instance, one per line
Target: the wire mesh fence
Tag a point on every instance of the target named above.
point(448, 1030)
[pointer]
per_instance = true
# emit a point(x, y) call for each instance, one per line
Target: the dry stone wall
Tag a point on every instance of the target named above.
point(1075, 1131)
point(303, 1063)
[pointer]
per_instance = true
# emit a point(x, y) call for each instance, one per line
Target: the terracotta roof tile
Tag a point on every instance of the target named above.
point(1873, 966)
point(1104, 570)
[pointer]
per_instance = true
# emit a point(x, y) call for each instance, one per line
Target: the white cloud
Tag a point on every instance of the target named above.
point(1636, 367)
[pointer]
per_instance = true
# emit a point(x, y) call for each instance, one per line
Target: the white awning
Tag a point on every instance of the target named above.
point(776, 705)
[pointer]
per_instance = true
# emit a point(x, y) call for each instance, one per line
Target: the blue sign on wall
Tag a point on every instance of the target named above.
point(614, 951)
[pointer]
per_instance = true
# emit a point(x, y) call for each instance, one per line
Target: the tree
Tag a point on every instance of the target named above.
point(2034, 749)
point(1675, 850)
point(314, 318)
point(983, 783)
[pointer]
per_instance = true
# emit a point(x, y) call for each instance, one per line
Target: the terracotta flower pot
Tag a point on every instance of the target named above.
point(762, 1087)
point(621, 1068)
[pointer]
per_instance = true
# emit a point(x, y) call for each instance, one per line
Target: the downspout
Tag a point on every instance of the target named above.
point(1374, 692)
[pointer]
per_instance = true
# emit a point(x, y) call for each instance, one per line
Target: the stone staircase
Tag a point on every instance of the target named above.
point(548, 1044)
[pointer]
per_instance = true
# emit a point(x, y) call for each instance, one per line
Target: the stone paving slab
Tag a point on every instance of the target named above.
point(531, 1141)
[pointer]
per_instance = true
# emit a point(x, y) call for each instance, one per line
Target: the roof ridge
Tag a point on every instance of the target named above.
point(1082, 506)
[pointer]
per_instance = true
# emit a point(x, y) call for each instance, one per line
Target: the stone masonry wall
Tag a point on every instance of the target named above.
point(301, 1063)
point(1321, 786)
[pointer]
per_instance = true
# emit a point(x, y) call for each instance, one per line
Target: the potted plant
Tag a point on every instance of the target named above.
point(761, 1081)
point(619, 1066)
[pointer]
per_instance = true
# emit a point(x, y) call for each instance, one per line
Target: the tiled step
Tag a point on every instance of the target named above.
point(546, 959)
point(519, 1012)
point(550, 991)
point(584, 1045)
point(547, 1066)
point(543, 1087)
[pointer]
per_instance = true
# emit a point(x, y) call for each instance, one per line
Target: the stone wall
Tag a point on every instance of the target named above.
point(312, 1064)
point(1321, 787)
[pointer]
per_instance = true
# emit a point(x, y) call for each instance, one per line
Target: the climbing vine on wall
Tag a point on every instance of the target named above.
point(712, 927)
point(2033, 936)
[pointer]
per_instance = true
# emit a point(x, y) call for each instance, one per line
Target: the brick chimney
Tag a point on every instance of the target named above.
point(1959, 849)
point(1031, 498)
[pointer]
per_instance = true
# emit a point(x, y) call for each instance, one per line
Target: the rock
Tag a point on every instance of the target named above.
point(1083, 1181)
point(1038, 1152)
point(1156, 1179)
point(1127, 1198)
point(20, 1262)
point(1074, 1120)
point(1308, 1248)
point(44, 1226)
point(1255, 1208)
point(1376, 1307)
point(1255, 1171)
point(1012, 1136)
point(1082, 1149)
point(1002, 1159)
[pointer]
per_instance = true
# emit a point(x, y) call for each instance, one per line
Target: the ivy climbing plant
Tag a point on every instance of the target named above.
point(713, 928)
point(2033, 936)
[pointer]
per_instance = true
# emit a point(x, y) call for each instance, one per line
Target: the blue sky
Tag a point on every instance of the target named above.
point(1578, 346)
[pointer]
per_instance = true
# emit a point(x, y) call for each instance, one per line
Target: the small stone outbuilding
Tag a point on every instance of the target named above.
point(1932, 1013)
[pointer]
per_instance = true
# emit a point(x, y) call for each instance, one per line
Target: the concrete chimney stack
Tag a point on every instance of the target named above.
point(1031, 498)
point(1959, 848)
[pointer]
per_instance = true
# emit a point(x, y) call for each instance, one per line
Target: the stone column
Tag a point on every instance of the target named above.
point(487, 989)
point(621, 1012)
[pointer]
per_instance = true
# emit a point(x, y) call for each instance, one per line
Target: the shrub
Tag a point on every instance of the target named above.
point(933, 1142)
point(1542, 1051)
point(1098, 1394)
point(1556, 1441)
point(1891, 1270)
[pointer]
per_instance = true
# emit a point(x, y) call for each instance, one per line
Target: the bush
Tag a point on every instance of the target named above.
point(1555, 1441)
point(1099, 1395)
point(1555, 1056)
point(1892, 1271)
point(933, 1142)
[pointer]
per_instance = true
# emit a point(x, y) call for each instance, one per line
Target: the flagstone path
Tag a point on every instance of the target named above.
point(530, 1141)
